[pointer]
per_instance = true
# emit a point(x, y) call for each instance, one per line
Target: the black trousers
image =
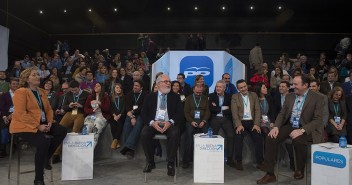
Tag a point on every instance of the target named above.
point(222, 122)
point(189, 141)
point(300, 144)
point(173, 140)
point(349, 133)
point(45, 147)
point(257, 140)
point(116, 127)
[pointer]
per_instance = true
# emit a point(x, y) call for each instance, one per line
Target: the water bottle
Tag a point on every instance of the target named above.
point(84, 130)
point(210, 132)
point(343, 141)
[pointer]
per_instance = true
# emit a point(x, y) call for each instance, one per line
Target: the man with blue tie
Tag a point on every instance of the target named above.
point(162, 113)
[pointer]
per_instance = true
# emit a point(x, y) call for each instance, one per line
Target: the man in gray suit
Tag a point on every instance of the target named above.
point(300, 119)
point(246, 118)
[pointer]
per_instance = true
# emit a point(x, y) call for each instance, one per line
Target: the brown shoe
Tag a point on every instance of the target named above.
point(267, 179)
point(298, 175)
point(115, 144)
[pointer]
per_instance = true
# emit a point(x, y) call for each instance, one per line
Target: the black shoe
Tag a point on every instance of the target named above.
point(171, 169)
point(56, 159)
point(39, 183)
point(185, 165)
point(130, 154)
point(148, 168)
point(238, 165)
point(124, 150)
point(292, 166)
point(230, 163)
point(48, 165)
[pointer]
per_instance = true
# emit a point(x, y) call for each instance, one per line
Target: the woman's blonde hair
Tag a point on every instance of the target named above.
point(24, 76)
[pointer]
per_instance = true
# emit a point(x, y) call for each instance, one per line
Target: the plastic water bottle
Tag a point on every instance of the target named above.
point(343, 141)
point(84, 130)
point(210, 132)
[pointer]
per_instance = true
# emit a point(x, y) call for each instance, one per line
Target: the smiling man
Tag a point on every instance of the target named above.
point(300, 119)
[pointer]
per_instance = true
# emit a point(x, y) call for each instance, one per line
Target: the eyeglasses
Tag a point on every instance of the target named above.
point(165, 81)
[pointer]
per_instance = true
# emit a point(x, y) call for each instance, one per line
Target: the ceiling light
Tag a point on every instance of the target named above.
point(279, 7)
point(65, 11)
point(251, 7)
point(195, 8)
point(89, 10)
point(168, 8)
point(223, 7)
point(115, 9)
point(41, 11)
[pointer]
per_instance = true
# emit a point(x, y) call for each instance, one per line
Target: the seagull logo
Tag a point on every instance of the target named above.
point(197, 68)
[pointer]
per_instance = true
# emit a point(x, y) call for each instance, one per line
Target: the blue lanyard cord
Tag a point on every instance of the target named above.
point(136, 99)
point(245, 102)
point(118, 103)
point(263, 106)
point(336, 108)
point(39, 101)
point(195, 102)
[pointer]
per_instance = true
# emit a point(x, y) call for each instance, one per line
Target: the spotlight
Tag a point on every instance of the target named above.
point(89, 10)
point(223, 7)
point(279, 7)
point(115, 9)
point(196, 8)
point(65, 11)
point(168, 8)
point(251, 7)
point(41, 11)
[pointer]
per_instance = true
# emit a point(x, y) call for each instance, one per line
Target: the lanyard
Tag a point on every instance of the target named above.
point(118, 103)
point(39, 101)
point(136, 99)
point(245, 102)
point(262, 108)
point(336, 108)
point(197, 104)
point(74, 97)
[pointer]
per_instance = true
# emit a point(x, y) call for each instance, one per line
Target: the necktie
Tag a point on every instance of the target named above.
point(163, 102)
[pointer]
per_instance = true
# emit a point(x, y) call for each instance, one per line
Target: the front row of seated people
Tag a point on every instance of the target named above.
point(163, 112)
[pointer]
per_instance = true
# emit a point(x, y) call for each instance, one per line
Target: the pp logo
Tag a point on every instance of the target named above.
point(191, 66)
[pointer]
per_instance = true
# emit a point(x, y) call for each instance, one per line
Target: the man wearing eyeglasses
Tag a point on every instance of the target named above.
point(162, 113)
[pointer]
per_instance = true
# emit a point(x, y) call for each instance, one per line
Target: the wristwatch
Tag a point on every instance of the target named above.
point(303, 131)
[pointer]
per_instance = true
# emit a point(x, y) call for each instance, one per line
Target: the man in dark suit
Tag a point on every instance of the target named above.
point(221, 117)
point(162, 113)
point(300, 119)
point(327, 86)
point(68, 69)
point(246, 118)
point(6, 110)
point(185, 88)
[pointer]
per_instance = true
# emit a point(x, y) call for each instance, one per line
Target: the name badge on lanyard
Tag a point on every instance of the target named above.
point(265, 119)
point(74, 111)
point(337, 119)
point(197, 114)
point(161, 115)
point(295, 122)
point(43, 118)
point(135, 107)
point(11, 109)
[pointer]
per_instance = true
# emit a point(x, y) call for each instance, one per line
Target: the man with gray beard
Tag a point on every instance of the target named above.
point(162, 113)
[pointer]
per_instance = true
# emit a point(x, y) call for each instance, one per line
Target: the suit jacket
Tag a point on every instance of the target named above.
point(186, 90)
point(5, 104)
point(325, 87)
point(311, 116)
point(27, 114)
point(237, 108)
point(190, 108)
point(174, 108)
point(214, 110)
point(130, 101)
point(277, 103)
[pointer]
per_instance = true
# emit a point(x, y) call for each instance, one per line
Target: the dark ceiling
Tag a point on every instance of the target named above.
point(133, 16)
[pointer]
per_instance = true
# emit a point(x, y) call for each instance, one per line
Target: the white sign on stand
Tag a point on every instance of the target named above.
point(77, 157)
point(331, 165)
point(208, 159)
